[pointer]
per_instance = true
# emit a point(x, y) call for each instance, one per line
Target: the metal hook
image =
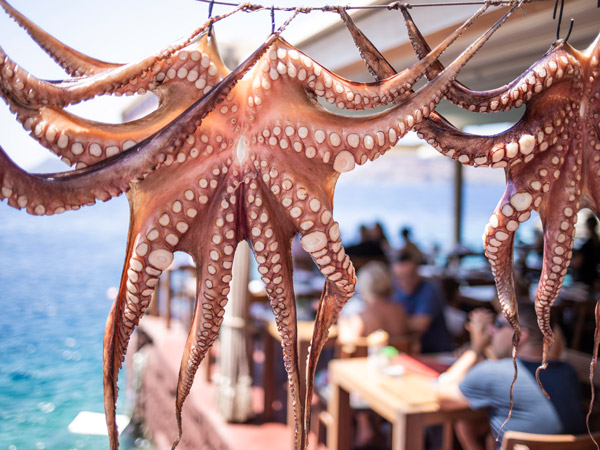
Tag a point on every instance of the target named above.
point(272, 19)
point(560, 14)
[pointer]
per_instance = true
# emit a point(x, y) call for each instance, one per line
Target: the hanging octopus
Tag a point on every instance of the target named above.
point(228, 156)
point(550, 156)
point(543, 156)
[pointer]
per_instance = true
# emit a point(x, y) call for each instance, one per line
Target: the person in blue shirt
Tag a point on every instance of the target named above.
point(485, 383)
point(424, 304)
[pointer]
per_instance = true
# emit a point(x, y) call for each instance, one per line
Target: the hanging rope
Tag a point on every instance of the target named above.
point(394, 5)
point(272, 19)
point(287, 22)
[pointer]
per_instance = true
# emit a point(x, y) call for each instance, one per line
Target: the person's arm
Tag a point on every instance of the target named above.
point(419, 323)
point(447, 389)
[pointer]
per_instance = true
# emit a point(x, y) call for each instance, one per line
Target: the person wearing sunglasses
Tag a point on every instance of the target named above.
point(483, 374)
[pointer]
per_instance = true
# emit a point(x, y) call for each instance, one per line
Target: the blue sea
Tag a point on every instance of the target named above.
point(54, 276)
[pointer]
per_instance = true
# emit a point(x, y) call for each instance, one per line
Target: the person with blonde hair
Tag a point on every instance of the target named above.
point(375, 290)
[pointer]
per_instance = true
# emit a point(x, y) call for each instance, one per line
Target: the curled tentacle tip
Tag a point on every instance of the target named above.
point(539, 382)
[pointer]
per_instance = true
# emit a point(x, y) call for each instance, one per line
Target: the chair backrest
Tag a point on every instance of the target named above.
point(517, 440)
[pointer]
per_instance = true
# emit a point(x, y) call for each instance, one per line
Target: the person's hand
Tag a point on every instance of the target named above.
point(479, 327)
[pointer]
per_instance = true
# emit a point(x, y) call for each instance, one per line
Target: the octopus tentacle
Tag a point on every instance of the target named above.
point(149, 252)
point(376, 63)
point(498, 242)
point(84, 142)
point(312, 217)
point(593, 363)
point(174, 62)
point(271, 246)
point(213, 274)
point(54, 194)
point(498, 151)
point(338, 289)
point(351, 140)
point(109, 178)
point(159, 227)
point(558, 218)
point(514, 207)
point(519, 144)
point(140, 77)
point(286, 61)
point(557, 64)
point(74, 62)
point(46, 194)
point(352, 95)
point(345, 94)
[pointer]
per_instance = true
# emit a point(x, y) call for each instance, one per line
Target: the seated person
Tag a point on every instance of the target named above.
point(486, 383)
point(423, 303)
point(410, 248)
point(587, 257)
point(374, 288)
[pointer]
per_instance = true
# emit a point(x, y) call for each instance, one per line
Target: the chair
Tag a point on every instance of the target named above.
point(518, 440)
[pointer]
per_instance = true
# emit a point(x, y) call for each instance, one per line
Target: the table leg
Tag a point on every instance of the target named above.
point(448, 435)
point(340, 431)
point(408, 433)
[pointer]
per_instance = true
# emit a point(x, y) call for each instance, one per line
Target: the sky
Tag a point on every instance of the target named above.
point(120, 32)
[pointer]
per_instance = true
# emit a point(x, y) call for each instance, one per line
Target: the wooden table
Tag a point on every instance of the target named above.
point(272, 338)
point(408, 402)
